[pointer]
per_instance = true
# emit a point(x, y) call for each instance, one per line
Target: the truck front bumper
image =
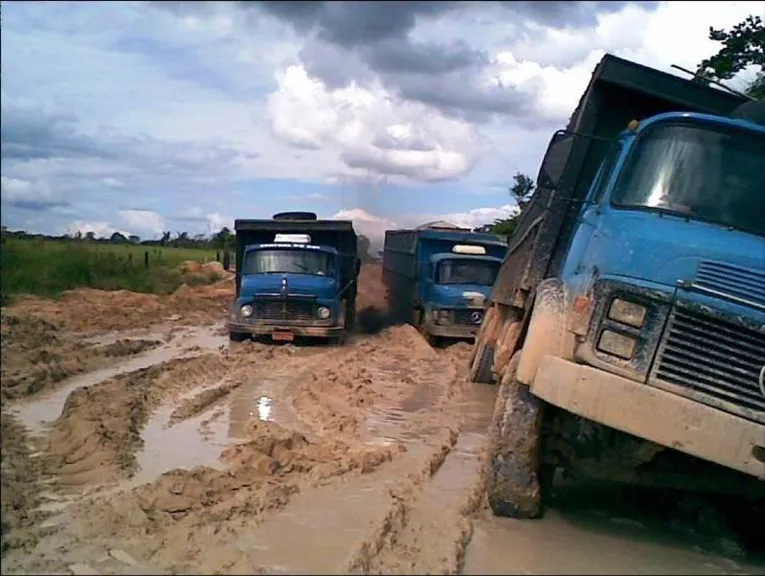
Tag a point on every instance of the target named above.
point(452, 330)
point(652, 414)
point(268, 329)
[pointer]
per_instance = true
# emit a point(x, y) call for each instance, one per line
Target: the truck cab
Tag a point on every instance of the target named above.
point(438, 279)
point(292, 285)
point(454, 289)
point(636, 350)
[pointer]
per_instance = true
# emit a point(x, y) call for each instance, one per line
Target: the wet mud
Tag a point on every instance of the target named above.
point(195, 455)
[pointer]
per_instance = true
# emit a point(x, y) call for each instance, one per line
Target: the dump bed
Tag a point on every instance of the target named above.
point(406, 251)
point(619, 91)
point(338, 234)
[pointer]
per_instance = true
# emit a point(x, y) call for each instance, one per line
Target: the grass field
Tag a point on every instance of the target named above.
point(49, 267)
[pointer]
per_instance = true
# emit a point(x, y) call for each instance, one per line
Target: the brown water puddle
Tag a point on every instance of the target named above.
point(35, 414)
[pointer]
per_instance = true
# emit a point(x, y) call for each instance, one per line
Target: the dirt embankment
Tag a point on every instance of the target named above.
point(204, 297)
point(36, 355)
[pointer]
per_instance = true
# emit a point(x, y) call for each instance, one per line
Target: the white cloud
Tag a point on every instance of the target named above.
point(215, 222)
point(370, 130)
point(99, 229)
point(26, 194)
point(144, 221)
point(480, 216)
point(371, 226)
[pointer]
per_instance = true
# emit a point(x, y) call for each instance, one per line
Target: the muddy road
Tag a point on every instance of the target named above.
point(142, 442)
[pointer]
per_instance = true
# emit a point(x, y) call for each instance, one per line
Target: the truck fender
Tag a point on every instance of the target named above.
point(547, 328)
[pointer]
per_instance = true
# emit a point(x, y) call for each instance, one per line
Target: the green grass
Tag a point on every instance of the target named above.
point(49, 267)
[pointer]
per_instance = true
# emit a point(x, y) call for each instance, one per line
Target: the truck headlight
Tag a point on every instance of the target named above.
point(246, 311)
point(627, 313)
point(324, 312)
point(445, 317)
point(617, 344)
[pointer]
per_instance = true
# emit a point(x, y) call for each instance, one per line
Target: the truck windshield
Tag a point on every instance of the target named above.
point(288, 261)
point(467, 272)
point(713, 174)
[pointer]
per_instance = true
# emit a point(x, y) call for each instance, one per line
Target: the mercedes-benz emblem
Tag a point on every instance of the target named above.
point(476, 317)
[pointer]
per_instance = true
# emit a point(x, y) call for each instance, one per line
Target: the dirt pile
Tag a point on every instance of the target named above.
point(202, 298)
point(372, 300)
point(36, 355)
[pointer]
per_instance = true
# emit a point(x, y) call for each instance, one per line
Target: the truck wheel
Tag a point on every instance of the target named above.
point(433, 341)
point(480, 368)
point(238, 336)
point(513, 481)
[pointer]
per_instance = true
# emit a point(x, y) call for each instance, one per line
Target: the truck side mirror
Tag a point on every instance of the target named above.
point(555, 160)
point(357, 265)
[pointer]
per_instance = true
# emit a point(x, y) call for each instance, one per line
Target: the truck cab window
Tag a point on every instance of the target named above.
point(708, 173)
point(606, 170)
point(288, 261)
point(466, 272)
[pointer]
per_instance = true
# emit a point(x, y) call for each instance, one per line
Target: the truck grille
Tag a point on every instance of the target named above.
point(465, 316)
point(713, 356)
point(732, 280)
point(290, 310)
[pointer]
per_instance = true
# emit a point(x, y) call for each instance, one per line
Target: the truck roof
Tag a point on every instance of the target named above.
point(452, 256)
point(287, 226)
point(286, 245)
point(461, 235)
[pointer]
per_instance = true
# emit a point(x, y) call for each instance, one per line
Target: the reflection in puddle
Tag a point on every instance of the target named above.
point(264, 408)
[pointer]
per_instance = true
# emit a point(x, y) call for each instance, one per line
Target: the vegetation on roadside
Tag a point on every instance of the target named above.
point(47, 267)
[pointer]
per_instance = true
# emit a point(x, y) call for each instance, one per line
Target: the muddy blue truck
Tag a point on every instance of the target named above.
point(438, 278)
point(295, 276)
point(626, 327)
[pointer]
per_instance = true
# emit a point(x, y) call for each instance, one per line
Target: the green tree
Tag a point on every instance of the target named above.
point(742, 46)
point(223, 238)
point(521, 190)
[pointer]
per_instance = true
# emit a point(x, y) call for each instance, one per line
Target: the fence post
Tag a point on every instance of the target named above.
point(217, 256)
point(146, 259)
point(226, 260)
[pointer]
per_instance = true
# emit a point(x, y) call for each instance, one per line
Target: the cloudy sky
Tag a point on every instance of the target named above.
point(143, 117)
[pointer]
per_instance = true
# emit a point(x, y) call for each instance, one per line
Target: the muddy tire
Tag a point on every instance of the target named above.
point(238, 336)
point(513, 480)
point(480, 369)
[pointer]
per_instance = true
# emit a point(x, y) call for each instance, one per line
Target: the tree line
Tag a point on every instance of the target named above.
point(224, 239)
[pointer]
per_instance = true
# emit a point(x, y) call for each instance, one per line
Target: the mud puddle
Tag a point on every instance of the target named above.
point(336, 522)
point(589, 537)
point(35, 414)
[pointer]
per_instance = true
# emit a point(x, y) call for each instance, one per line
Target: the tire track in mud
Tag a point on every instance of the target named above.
point(428, 529)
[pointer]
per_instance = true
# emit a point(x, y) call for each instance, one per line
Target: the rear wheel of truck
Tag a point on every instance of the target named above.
point(238, 336)
point(480, 368)
point(514, 483)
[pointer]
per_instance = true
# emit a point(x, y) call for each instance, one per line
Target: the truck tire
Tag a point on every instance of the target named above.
point(238, 336)
point(513, 482)
point(480, 368)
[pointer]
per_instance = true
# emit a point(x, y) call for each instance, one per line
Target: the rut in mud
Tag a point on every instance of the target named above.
point(192, 455)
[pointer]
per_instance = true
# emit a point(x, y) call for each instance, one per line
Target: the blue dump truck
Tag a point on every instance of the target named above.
point(626, 327)
point(439, 277)
point(295, 276)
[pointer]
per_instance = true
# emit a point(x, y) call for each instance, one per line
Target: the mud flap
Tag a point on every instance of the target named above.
point(480, 369)
point(515, 438)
